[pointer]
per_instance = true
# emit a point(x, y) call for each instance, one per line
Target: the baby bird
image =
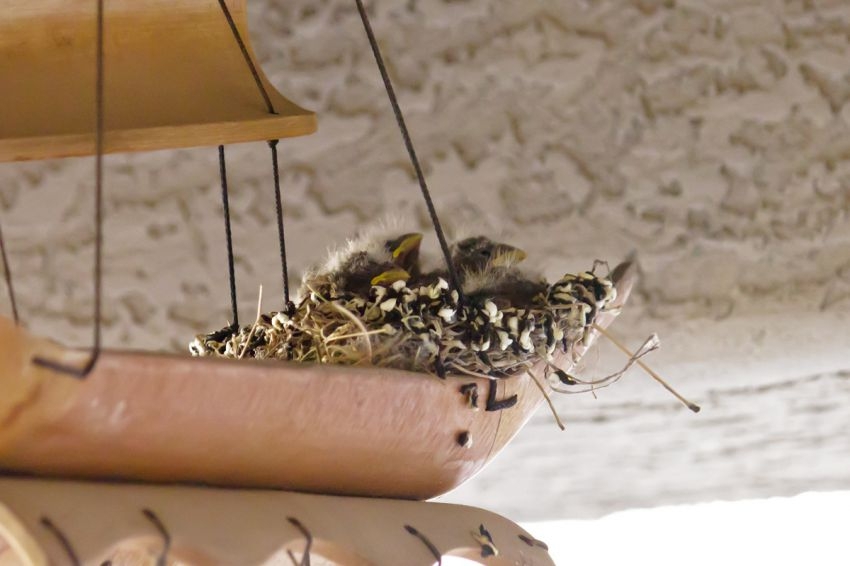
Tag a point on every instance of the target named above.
point(374, 258)
point(488, 270)
point(505, 286)
point(479, 252)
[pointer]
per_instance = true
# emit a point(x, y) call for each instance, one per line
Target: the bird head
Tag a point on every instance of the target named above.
point(404, 251)
point(378, 256)
point(479, 253)
point(397, 259)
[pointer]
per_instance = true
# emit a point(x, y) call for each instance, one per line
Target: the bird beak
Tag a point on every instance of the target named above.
point(405, 248)
point(390, 276)
point(505, 256)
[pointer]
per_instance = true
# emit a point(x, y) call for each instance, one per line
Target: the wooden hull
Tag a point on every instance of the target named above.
point(324, 429)
point(318, 428)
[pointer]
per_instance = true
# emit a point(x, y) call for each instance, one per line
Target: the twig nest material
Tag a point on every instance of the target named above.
point(422, 328)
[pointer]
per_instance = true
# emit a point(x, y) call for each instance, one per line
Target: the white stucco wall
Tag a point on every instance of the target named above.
point(711, 137)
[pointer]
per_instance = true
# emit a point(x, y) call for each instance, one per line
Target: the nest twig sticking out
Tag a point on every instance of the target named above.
point(422, 329)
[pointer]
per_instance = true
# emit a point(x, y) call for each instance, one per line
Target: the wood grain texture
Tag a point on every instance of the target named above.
point(174, 77)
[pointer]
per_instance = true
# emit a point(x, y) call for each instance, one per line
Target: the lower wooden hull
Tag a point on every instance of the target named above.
point(216, 527)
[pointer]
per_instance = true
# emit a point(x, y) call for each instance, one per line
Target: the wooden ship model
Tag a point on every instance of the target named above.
point(124, 457)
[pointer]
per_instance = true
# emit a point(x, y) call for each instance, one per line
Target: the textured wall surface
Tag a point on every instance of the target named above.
point(711, 137)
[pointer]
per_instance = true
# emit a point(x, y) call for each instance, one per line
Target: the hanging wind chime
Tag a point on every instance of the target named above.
point(413, 426)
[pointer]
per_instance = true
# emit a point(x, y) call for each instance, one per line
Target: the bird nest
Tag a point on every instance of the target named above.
point(423, 329)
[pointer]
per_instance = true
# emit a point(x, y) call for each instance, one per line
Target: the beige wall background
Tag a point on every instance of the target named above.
point(710, 137)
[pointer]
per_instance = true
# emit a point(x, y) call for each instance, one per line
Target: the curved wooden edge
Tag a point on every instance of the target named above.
point(17, 545)
point(250, 527)
point(528, 394)
point(167, 418)
point(174, 77)
point(260, 127)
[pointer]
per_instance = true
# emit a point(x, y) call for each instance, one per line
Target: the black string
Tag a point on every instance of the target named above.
point(98, 207)
point(162, 559)
point(8, 274)
point(98, 216)
point(238, 37)
point(305, 558)
point(430, 545)
point(63, 540)
point(231, 270)
point(410, 150)
point(279, 208)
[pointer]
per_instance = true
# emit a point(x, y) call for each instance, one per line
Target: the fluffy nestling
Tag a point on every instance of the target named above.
point(377, 257)
point(488, 271)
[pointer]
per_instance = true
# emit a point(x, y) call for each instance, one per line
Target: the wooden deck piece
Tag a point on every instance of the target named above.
point(211, 526)
point(174, 77)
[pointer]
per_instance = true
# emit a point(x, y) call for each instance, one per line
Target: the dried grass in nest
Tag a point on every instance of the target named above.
point(421, 329)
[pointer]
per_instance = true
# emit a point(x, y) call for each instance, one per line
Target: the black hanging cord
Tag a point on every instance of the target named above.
point(290, 308)
point(231, 270)
point(8, 274)
point(410, 150)
point(98, 216)
point(98, 205)
point(238, 37)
